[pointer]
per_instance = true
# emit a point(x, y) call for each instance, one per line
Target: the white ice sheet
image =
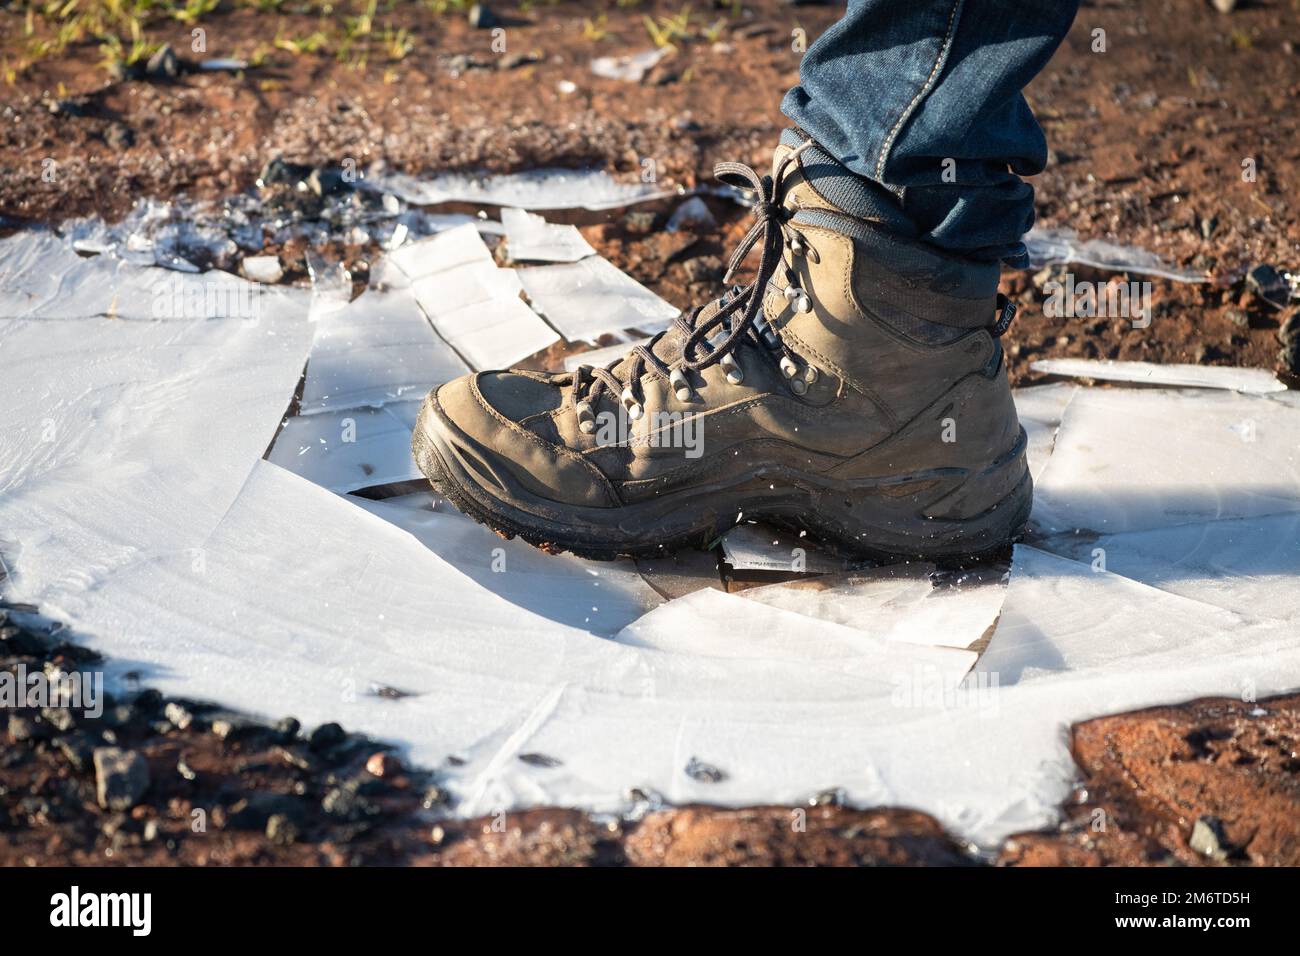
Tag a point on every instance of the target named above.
point(715, 624)
point(1131, 460)
point(1254, 381)
point(597, 596)
point(474, 305)
point(1040, 408)
point(534, 189)
point(896, 603)
point(1250, 565)
point(134, 508)
point(42, 277)
point(380, 348)
point(351, 449)
point(119, 440)
point(587, 299)
point(1046, 244)
point(306, 602)
point(530, 238)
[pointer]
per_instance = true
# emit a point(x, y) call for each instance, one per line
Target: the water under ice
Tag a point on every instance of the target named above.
point(135, 508)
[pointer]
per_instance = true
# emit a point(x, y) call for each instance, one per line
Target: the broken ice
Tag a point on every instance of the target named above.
point(1253, 381)
point(588, 299)
point(531, 238)
point(535, 189)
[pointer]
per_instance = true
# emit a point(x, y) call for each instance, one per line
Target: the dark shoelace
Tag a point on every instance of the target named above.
point(770, 229)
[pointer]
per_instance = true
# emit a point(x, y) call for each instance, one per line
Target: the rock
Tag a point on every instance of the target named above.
point(148, 701)
point(639, 221)
point(512, 61)
point(263, 269)
point(119, 136)
point(540, 760)
point(383, 765)
point(294, 757)
point(163, 64)
point(281, 831)
point(121, 778)
point(79, 750)
point(435, 797)
point(481, 17)
point(70, 106)
point(703, 772)
point(254, 812)
point(287, 729)
point(150, 831)
point(327, 181)
point(23, 727)
point(1208, 838)
point(1266, 283)
point(831, 797)
point(178, 715)
point(281, 172)
point(345, 804)
point(59, 718)
point(1224, 6)
point(704, 269)
point(326, 737)
point(20, 641)
point(692, 214)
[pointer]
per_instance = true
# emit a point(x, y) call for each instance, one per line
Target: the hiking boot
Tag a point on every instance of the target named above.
point(855, 389)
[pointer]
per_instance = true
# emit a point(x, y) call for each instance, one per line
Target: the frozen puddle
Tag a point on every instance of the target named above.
point(135, 506)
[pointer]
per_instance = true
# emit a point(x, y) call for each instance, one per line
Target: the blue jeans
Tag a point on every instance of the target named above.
point(923, 98)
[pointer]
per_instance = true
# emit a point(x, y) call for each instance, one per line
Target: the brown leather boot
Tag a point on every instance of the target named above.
point(855, 389)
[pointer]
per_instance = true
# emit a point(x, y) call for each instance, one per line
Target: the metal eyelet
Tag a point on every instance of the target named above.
point(798, 298)
point(788, 367)
point(680, 386)
point(797, 386)
point(735, 374)
point(810, 374)
point(634, 408)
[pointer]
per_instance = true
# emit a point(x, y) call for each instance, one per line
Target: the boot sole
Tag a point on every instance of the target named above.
point(876, 519)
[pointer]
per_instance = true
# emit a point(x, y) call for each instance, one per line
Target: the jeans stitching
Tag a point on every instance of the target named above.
point(925, 88)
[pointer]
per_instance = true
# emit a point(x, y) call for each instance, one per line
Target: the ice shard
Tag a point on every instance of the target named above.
point(530, 238)
point(1253, 381)
point(588, 299)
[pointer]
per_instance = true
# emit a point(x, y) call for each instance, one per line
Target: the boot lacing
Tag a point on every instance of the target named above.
point(771, 232)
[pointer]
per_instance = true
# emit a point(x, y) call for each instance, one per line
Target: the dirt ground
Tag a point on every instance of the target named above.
point(1148, 144)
